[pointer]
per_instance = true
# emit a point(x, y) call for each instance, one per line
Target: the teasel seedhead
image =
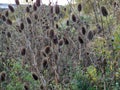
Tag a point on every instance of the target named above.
point(83, 30)
point(55, 39)
point(51, 33)
point(38, 2)
point(17, 2)
point(73, 18)
point(90, 35)
point(104, 11)
point(21, 26)
point(79, 7)
point(47, 49)
point(3, 18)
point(6, 13)
point(57, 9)
point(80, 40)
point(8, 34)
point(45, 63)
point(34, 75)
point(34, 7)
point(35, 16)
point(11, 8)
point(28, 20)
point(2, 76)
point(9, 22)
point(23, 51)
point(27, 9)
point(65, 41)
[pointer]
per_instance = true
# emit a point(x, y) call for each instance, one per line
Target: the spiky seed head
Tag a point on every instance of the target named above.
point(90, 35)
point(51, 33)
point(9, 22)
point(11, 8)
point(104, 11)
point(21, 26)
point(3, 18)
point(55, 39)
point(45, 64)
point(79, 7)
point(6, 13)
point(38, 2)
point(80, 40)
point(66, 41)
point(17, 2)
point(28, 20)
point(47, 49)
point(34, 7)
point(83, 30)
point(57, 9)
point(2, 76)
point(73, 18)
point(35, 16)
point(60, 42)
point(8, 34)
point(27, 9)
point(34, 75)
point(23, 51)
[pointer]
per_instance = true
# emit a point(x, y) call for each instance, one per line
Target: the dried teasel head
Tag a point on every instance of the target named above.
point(27, 9)
point(6, 13)
point(57, 9)
point(3, 18)
point(47, 49)
point(11, 8)
point(21, 26)
point(45, 63)
point(80, 40)
point(65, 41)
point(73, 18)
point(8, 34)
point(35, 16)
point(23, 51)
point(28, 20)
point(83, 30)
point(55, 39)
point(17, 2)
point(2, 76)
point(34, 75)
point(90, 35)
point(38, 2)
point(79, 7)
point(104, 11)
point(9, 22)
point(34, 7)
point(51, 33)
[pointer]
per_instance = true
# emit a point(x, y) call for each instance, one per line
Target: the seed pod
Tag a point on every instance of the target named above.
point(6, 13)
point(83, 30)
point(55, 39)
point(34, 7)
point(80, 40)
point(11, 8)
point(51, 33)
point(79, 7)
point(23, 51)
point(104, 11)
point(45, 64)
point(35, 16)
point(8, 34)
point(57, 9)
point(27, 9)
point(34, 75)
point(66, 41)
point(3, 18)
point(73, 18)
point(90, 35)
point(21, 26)
point(9, 22)
point(47, 49)
point(17, 2)
point(38, 3)
point(2, 76)
point(60, 42)
point(28, 20)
